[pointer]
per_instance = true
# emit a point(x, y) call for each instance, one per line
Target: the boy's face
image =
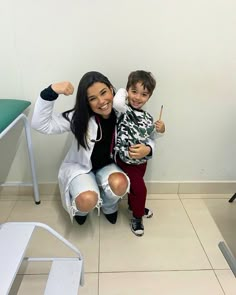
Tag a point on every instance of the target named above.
point(138, 96)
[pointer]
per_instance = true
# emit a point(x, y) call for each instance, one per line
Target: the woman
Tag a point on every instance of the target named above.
point(88, 177)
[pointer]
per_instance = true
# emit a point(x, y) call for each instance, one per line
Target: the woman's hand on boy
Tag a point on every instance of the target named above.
point(139, 151)
point(65, 88)
point(160, 126)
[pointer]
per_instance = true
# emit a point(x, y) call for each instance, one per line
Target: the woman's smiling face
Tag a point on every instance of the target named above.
point(100, 99)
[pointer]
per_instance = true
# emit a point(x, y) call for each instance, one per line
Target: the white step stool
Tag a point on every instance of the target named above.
point(66, 274)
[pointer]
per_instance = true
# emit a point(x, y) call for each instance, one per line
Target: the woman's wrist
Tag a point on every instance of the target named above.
point(49, 94)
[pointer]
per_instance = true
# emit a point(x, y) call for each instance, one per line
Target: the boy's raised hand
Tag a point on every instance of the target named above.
point(65, 88)
point(160, 126)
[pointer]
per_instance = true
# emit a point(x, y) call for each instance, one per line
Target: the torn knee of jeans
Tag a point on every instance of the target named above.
point(109, 192)
point(120, 184)
point(86, 201)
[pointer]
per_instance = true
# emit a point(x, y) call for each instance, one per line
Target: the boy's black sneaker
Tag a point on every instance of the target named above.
point(147, 212)
point(137, 227)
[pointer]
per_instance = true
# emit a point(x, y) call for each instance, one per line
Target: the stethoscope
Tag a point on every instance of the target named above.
point(100, 130)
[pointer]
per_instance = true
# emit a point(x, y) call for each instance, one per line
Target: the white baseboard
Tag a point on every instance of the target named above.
point(26, 189)
point(191, 187)
point(153, 187)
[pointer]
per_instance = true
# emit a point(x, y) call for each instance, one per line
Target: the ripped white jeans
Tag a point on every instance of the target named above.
point(97, 181)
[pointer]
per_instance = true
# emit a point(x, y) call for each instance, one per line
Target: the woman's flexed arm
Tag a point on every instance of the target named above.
point(44, 119)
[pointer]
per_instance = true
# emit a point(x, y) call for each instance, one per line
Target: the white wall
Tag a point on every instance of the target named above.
point(190, 46)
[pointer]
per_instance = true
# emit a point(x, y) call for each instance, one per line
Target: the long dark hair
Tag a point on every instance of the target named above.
point(82, 111)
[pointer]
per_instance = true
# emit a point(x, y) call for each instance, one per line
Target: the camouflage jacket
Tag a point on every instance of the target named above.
point(133, 127)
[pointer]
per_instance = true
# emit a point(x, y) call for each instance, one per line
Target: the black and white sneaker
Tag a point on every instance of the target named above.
point(137, 227)
point(147, 212)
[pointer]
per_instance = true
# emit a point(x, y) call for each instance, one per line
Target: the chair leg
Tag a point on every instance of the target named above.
point(31, 158)
point(228, 256)
point(232, 198)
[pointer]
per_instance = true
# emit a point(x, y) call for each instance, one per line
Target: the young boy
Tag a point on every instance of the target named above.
point(136, 132)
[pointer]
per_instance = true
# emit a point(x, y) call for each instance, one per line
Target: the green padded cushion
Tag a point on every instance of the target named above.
point(10, 109)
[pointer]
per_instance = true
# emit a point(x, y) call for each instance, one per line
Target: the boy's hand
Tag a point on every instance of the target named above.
point(139, 151)
point(65, 88)
point(160, 126)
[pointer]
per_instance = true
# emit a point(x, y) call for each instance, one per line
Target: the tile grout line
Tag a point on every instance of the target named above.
point(99, 251)
point(156, 271)
point(13, 207)
point(219, 281)
point(196, 233)
point(202, 246)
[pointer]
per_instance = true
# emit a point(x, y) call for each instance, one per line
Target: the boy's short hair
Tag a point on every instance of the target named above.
point(143, 77)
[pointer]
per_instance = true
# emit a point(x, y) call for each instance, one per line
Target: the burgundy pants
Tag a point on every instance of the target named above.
point(138, 190)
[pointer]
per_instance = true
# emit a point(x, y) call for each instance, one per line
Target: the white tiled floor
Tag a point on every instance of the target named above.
point(178, 254)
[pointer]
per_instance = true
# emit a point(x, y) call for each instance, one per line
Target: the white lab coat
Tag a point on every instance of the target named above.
point(76, 161)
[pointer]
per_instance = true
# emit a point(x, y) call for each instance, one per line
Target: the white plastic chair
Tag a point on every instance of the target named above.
point(66, 274)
